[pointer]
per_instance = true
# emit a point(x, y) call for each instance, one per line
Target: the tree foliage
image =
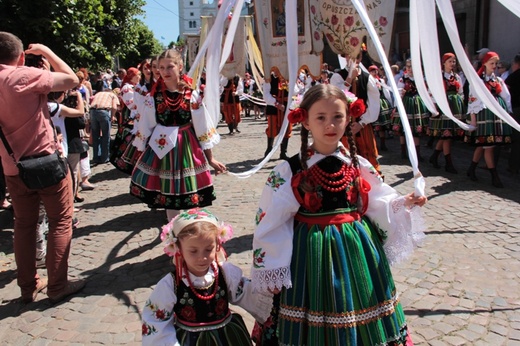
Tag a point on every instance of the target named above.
point(82, 32)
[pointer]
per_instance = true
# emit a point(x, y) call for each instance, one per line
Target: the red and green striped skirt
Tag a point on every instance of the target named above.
point(180, 180)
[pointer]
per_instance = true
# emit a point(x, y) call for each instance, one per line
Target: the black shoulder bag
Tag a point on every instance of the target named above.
point(38, 172)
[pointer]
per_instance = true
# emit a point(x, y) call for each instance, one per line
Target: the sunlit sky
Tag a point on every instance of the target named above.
point(162, 17)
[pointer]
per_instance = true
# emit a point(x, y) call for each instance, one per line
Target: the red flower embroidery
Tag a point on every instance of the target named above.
point(161, 142)
point(189, 314)
point(349, 21)
point(160, 315)
point(145, 329)
point(312, 202)
point(221, 307)
point(383, 21)
point(194, 198)
point(334, 20)
point(357, 108)
point(354, 41)
point(161, 107)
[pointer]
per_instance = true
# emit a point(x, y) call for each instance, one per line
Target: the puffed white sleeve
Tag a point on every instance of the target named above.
point(373, 102)
point(146, 122)
point(402, 227)
point(272, 240)
point(269, 99)
point(204, 126)
point(240, 87)
point(158, 327)
point(240, 292)
point(474, 104)
point(505, 95)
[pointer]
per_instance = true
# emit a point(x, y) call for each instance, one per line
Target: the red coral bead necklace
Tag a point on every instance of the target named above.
point(197, 294)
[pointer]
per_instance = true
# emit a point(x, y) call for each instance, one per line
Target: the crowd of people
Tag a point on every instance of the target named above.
point(327, 225)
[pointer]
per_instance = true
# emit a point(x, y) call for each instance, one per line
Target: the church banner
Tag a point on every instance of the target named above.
point(343, 28)
point(270, 23)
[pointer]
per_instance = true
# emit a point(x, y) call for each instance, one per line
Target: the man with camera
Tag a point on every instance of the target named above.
point(29, 142)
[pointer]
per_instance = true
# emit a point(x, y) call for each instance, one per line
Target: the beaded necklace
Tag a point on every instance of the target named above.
point(333, 182)
point(197, 294)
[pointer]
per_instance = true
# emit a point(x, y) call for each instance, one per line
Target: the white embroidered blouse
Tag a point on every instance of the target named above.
point(273, 237)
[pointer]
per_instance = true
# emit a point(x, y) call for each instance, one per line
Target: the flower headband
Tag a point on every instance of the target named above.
point(170, 231)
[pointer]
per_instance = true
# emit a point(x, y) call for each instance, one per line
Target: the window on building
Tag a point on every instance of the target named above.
point(191, 3)
point(191, 14)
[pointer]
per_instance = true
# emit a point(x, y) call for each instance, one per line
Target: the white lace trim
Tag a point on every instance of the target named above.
point(265, 280)
point(340, 320)
point(407, 234)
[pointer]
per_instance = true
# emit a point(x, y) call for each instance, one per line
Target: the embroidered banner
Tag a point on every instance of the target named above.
point(236, 62)
point(343, 28)
point(270, 21)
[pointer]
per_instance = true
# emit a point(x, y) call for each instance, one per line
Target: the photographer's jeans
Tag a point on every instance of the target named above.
point(100, 123)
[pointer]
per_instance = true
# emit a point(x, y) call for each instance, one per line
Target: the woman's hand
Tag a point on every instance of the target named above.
point(411, 200)
point(217, 166)
point(274, 290)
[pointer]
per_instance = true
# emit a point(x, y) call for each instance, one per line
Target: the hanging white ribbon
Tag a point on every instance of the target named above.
point(419, 182)
point(483, 94)
point(430, 54)
point(512, 5)
point(291, 29)
point(230, 35)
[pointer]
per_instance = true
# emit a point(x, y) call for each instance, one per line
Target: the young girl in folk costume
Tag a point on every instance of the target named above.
point(489, 129)
point(443, 127)
point(130, 155)
point(176, 136)
point(190, 306)
point(327, 228)
point(124, 135)
point(415, 109)
point(384, 121)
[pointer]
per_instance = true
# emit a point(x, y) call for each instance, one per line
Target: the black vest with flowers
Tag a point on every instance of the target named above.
point(190, 310)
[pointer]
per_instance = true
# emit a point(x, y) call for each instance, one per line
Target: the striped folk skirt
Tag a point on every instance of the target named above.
point(342, 291)
point(491, 130)
point(417, 114)
point(180, 180)
point(384, 120)
point(443, 127)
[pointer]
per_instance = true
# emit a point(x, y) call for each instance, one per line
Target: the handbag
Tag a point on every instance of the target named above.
point(39, 172)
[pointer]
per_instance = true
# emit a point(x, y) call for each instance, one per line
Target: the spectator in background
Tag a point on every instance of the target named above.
point(117, 80)
point(503, 69)
point(24, 114)
point(102, 110)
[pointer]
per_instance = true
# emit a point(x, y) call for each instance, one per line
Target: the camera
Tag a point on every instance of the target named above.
point(32, 60)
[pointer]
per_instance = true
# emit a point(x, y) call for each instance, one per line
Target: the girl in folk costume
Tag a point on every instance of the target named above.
point(276, 96)
point(327, 228)
point(248, 88)
point(130, 155)
point(384, 121)
point(124, 134)
point(441, 126)
point(190, 305)
point(489, 130)
point(364, 87)
point(415, 109)
point(230, 100)
point(176, 136)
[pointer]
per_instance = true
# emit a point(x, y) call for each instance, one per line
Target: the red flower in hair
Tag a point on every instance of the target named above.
point(357, 108)
point(297, 115)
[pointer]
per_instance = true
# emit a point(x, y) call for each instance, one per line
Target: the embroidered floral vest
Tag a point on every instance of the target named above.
point(192, 311)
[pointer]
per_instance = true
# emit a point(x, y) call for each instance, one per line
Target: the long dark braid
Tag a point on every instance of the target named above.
point(352, 145)
point(303, 150)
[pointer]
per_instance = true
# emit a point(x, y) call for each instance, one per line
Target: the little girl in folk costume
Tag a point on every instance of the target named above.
point(327, 229)
point(190, 306)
